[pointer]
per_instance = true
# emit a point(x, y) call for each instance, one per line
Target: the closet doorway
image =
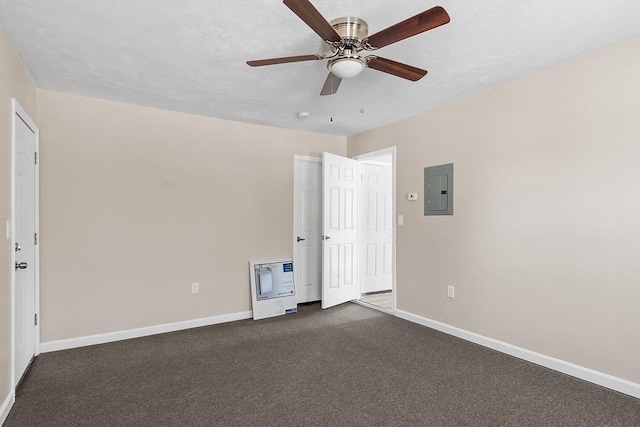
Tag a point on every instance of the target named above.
point(376, 229)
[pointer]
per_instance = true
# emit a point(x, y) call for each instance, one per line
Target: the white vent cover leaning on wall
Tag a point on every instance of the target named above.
point(272, 289)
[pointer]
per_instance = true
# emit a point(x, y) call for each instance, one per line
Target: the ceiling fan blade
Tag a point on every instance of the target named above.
point(420, 23)
point(396, 68)
point(310, 15)
point(284, 60)
point(330, 85)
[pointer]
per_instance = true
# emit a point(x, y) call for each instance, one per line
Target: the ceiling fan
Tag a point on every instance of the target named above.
point(348, 36)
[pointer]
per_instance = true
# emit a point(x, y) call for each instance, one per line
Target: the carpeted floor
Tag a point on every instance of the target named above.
point(347, 366)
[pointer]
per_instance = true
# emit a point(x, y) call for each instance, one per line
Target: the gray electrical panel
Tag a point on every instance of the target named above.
point(438, 190)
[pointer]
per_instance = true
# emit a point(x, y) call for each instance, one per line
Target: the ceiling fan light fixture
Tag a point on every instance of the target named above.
point(346, 68)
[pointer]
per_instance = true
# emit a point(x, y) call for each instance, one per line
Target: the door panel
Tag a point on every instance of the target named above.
point(24, 227)
point(387, 259)
point(334, 209)
point(377, 228)
point(340, 225)
point(348, 262)
point(309, 213)
point(334, 266)
point(371, 259)
point(349, 211)
point(307, 255)
point(388, 208)
point(372, 210)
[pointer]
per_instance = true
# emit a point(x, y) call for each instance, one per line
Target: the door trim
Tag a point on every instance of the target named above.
point(365, 157)
point(17, 110)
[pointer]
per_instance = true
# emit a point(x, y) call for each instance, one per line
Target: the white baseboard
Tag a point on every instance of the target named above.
point(49, 346)
point(605, 380)
point(6, 407)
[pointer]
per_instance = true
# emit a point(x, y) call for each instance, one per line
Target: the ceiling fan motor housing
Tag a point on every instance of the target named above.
point(351, 29)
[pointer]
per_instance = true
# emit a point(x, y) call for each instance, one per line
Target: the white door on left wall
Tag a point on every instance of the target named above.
point(24, 248)
point(307, 248)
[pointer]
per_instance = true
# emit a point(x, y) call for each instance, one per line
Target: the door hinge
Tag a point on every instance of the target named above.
point(35, 155)
point(36, 319)
point(35, 238)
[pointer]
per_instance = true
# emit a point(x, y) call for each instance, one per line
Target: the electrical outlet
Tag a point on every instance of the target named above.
point(451, 292)
point(195, 288)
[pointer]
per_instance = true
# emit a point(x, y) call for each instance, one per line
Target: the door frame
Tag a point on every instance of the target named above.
point(394, 222)
point(17, 110)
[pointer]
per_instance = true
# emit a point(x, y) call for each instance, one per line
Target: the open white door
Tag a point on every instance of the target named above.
point(339, 229)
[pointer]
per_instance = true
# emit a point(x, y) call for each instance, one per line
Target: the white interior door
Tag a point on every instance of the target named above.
point(307, 252)
point(339, 229)
point(376, 228)
point(24, 232)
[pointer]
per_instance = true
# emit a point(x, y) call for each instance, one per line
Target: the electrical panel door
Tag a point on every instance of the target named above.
point(438, 190)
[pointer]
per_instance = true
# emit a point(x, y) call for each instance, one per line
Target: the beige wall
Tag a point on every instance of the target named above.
point(544, 245)
point(138, 203)
point(14, 83)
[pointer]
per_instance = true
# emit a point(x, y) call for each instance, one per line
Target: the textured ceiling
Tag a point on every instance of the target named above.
point(190, 56)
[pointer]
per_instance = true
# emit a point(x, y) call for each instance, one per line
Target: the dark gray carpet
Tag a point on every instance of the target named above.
point(349, 366)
